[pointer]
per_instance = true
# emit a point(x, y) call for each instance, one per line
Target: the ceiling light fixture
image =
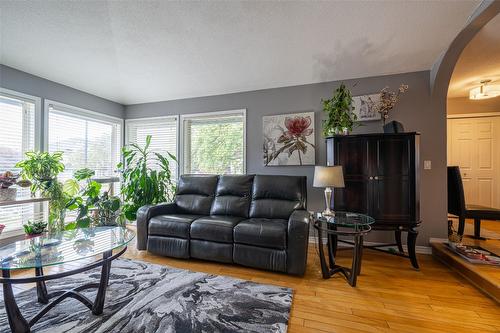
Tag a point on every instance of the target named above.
point(484, 91)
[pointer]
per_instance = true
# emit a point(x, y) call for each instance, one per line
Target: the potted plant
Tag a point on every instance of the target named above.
point(42, 169)
point(94, 208)
point(340, 118)
point(142, 184)
point(108, 210)
point(7, 179)
point(34, 228)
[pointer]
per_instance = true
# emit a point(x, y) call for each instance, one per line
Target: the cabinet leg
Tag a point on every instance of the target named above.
point(412, 243)
point(397, 234)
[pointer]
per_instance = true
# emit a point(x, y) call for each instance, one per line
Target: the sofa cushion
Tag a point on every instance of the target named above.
point(195, 194)
point(276, 197)
point(174, 225)
point(215, 228)
point(270, 233)
point(233, 195)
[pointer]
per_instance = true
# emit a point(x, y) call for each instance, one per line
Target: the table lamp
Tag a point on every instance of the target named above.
point(328, 177)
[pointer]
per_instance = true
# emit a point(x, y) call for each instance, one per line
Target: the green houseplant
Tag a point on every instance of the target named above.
point(340, 117)
point(146, 178)
point(93, 207)
point(36, 227)
point(42, 168)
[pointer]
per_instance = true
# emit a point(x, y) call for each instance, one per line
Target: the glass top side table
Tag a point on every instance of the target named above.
point(341, 224)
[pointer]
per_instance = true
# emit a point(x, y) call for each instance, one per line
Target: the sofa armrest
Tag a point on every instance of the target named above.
point(144, 214)
point(298, 240)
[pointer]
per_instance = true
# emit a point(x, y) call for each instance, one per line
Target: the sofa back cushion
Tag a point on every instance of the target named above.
point(276, 197)
point(233, 195)
point(195, 194)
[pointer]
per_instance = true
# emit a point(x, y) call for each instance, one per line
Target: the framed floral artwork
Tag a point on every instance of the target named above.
point(289, 139)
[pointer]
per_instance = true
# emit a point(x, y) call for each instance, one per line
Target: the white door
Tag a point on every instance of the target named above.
point(474, 145)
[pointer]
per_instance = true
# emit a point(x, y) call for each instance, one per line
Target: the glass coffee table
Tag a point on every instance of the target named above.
point(57, 249)
point(341, 224)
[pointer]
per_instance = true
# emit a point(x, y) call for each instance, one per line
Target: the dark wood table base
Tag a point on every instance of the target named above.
point(18, 324)
point(331, 268)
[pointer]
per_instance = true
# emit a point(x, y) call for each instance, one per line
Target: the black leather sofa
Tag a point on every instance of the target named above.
point(257, 221)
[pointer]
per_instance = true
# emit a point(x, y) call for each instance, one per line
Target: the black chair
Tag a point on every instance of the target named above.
point(458, 207)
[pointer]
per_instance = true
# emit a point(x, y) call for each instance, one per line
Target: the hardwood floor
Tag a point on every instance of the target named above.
point(390, 296)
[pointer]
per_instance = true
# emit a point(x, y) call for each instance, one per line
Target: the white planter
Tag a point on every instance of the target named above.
point(8, 194)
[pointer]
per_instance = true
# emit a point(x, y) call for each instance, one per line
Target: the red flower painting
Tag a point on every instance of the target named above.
point(294, 140)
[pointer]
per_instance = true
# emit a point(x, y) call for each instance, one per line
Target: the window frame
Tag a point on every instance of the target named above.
point(38, 142)
point(37, 101)
point(183, 117)
point(82, 114)
point(159, 118)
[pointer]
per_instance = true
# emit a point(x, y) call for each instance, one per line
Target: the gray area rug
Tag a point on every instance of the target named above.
point(145, 298)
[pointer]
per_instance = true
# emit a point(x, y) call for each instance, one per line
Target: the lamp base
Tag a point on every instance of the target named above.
point(328, 212)
point(328, 200)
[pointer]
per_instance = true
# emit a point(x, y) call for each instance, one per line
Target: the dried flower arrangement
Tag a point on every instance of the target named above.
point(388, 100)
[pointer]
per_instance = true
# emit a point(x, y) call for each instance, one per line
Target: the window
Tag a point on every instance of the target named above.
point(87, 139)
point(214, 143)
point(19, 134)
point(163, 131)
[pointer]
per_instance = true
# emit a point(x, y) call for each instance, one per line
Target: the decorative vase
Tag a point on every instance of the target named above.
point(342, 131)
point(8, 194)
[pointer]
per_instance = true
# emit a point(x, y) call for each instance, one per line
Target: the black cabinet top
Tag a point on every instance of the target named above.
point(372, 135)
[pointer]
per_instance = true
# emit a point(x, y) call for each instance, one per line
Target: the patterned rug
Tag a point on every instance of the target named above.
point(148, 298)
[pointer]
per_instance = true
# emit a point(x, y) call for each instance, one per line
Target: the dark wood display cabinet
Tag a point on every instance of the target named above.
point(381, 174)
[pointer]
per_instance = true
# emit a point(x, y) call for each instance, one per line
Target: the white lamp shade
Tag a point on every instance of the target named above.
point(328, 176)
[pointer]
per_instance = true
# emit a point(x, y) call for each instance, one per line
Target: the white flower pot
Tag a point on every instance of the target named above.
point(8, 194)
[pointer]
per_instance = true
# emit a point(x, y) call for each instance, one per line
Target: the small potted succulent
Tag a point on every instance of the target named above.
point(34, 228)
point(8, 179)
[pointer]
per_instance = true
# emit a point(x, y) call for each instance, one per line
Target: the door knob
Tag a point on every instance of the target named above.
point(376, 177)
point(371, 178)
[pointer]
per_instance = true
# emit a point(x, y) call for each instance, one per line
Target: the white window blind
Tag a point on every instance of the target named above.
point(17, 136)
point(86, 139)
point(163, 133)
point(214, 143)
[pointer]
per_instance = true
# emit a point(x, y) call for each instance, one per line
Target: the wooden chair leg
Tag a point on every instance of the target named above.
point(477, 228)
point(461, 226)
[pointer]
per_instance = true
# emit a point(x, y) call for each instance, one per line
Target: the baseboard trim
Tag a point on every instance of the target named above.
point(419, 249)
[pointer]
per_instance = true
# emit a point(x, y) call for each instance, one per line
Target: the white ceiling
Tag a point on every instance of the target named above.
point(480, 60)
point(133, 52)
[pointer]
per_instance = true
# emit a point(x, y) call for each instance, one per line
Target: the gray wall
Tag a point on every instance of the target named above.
point(23, 82)
point(413, 111)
